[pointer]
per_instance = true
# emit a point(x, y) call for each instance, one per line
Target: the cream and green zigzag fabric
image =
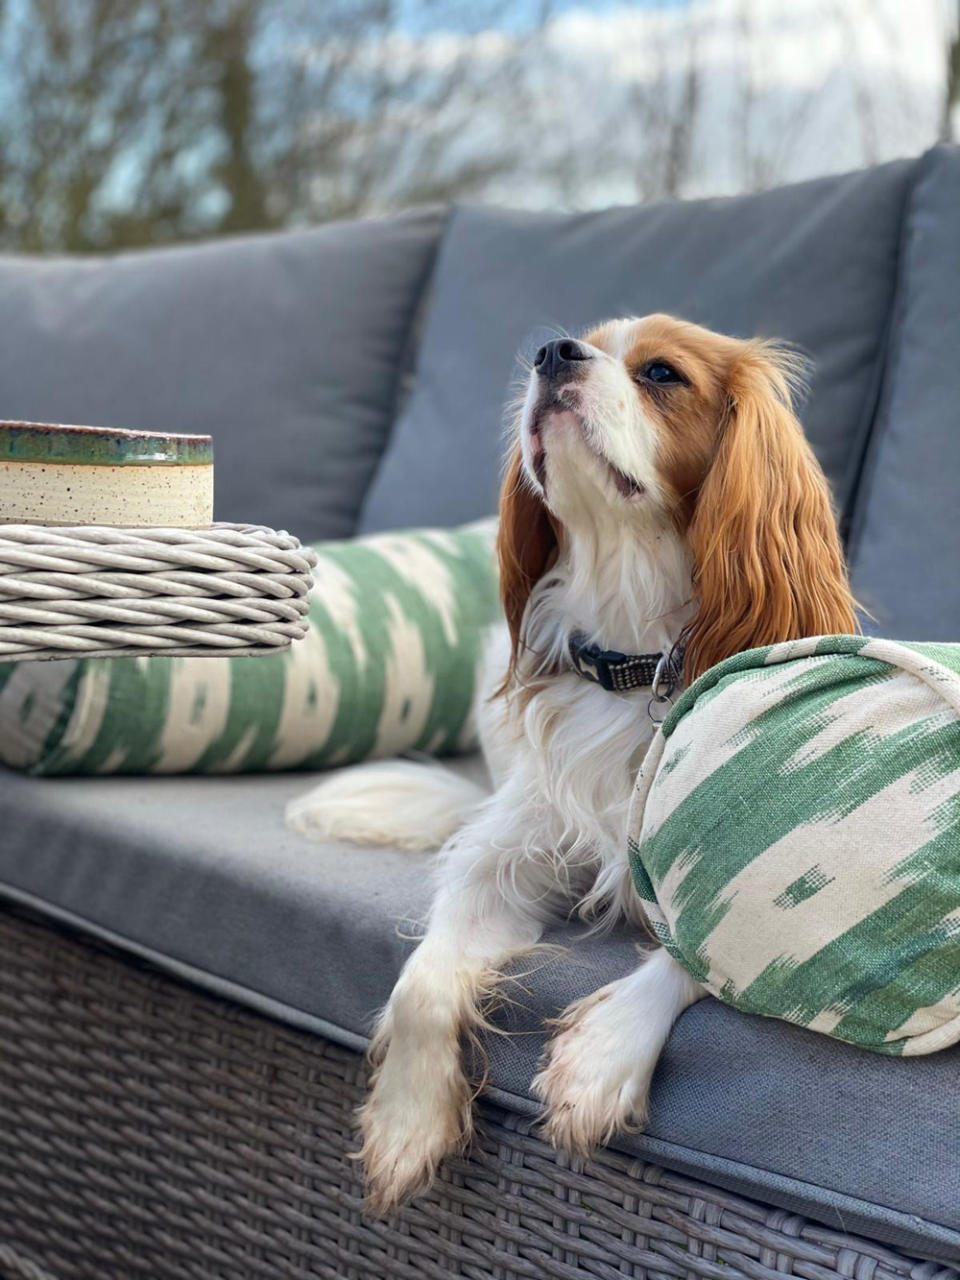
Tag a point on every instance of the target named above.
point(795, 837)
point(397, 626)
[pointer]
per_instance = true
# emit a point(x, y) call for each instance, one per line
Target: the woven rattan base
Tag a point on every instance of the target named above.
point(151, 1131)
point(90, 591)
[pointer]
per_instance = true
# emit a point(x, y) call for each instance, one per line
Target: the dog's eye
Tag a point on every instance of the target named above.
point(660, 372)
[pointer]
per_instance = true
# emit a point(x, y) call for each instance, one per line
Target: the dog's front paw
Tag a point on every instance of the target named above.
point(593, 1081)
point(409, 1125)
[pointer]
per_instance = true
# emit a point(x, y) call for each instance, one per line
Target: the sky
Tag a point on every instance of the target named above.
point(516, 15)
point(834, 84)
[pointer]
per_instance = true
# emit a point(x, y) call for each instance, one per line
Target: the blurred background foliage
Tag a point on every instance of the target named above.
point(134, 122)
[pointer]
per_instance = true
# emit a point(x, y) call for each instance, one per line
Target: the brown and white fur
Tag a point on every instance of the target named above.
point(659, 486)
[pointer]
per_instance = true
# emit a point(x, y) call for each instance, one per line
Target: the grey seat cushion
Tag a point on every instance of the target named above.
point(905, 544)
point(812, 263)
point(201, 876)
point(287, 348)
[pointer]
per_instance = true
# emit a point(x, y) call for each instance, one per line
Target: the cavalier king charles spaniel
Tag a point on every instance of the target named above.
point(661, 510)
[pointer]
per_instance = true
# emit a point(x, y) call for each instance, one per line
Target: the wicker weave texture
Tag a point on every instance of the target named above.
point(151, 1131)
point(94, 591)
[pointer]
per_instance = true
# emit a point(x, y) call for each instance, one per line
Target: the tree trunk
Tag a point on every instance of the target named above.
point(948, 130)
point(248, 205)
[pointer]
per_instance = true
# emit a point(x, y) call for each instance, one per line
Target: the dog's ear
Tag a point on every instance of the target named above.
point(526, 547)
point(768, 564)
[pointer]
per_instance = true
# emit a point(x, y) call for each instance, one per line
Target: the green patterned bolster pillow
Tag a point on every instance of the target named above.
point(397, 626)
point(795, 837)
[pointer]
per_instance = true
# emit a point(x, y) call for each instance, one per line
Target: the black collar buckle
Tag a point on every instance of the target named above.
point(623, 672)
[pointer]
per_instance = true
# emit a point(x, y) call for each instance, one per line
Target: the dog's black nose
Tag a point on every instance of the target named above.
point(561, 356)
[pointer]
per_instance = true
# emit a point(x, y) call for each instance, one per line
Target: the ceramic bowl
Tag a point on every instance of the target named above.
point(62, 475)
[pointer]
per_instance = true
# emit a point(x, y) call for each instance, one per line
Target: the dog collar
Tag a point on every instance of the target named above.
point(622, 672)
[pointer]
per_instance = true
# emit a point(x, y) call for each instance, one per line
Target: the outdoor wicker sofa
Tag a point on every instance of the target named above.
point(186, 986)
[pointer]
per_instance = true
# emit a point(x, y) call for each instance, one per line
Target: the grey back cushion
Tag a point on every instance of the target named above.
point(905, 543)
point(287, 348)
point(812, 263)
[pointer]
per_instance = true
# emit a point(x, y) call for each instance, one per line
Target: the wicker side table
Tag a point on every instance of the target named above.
point(99, 591)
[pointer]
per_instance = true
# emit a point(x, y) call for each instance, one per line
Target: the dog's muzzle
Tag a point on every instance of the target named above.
point(563, 358)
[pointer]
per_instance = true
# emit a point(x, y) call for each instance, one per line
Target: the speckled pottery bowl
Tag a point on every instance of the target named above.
point(101, 475)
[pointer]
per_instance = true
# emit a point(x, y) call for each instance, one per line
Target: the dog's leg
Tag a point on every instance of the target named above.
point(419, 1109)
point(597, 1069)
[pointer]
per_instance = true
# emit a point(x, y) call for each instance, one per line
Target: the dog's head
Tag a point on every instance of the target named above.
point(655, 423)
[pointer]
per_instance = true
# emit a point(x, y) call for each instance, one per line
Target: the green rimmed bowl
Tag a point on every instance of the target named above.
point(64, 475)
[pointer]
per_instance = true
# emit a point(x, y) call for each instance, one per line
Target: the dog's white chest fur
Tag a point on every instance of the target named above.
point(574, 759)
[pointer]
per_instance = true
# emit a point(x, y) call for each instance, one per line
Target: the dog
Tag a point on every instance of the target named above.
point(661, 510)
